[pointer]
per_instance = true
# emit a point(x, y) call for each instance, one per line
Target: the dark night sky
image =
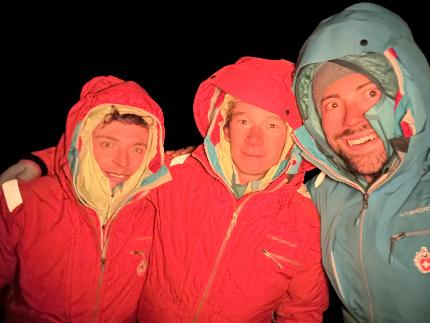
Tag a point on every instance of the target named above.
point(49, 53)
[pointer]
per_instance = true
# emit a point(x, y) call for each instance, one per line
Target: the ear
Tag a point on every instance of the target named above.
point(227, 133)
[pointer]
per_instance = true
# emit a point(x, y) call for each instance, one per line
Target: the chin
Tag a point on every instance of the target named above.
point(369, 165)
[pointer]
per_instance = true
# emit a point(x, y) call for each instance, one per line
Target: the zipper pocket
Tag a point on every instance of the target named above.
point(277, 259)
point(399, 236)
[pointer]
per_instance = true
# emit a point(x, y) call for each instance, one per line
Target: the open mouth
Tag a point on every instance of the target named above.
point(116, 176)
point(360, 141)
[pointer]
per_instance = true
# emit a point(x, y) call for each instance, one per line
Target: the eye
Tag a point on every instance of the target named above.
point(331, 105)
point(243, 121)
point(374, 93)
point(139, 149)
point(106, 144)
point(371, 93)
point(273, 125)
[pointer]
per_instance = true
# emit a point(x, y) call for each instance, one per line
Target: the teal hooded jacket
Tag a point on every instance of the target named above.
point(375, 238)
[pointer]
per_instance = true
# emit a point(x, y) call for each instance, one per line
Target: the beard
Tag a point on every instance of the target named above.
point(369, 164)
point(366, 163)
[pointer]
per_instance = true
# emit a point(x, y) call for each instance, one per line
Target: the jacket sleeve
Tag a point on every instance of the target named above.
point(307, 296)
point(10, 231)
point(45, 159)
point(31, 166)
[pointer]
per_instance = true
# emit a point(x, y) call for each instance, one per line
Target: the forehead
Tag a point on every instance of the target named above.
point(348, 83)
point(121, 131)
point(244, 108)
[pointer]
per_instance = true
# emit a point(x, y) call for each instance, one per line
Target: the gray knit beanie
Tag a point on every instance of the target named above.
point(326, 74)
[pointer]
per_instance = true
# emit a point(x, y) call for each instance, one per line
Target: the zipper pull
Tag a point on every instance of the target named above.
point(393, 240)
point(365, 200)
point(365, 206)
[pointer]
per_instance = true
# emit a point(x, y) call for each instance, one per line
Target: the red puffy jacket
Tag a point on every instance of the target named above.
point(61, 263)
point(218, 258)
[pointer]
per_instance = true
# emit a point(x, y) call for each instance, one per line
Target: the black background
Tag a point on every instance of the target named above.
point(48, 53)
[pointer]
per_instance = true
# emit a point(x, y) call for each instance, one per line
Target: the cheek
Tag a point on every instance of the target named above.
point(226, 134)
point(329, 126)
point(100, 156)
point(236, 137)
point(135, 163)
point(276, 143)
point(103, 161)
point(103, 156)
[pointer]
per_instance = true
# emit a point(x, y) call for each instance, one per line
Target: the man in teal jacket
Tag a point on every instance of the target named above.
point(363, 88)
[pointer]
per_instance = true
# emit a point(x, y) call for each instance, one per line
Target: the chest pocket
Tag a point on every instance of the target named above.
point(411, 248)
point(409, 240)
point(280, 255)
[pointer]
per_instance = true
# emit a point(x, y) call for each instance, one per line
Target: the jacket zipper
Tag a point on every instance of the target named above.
point(394, 166)
point(104, 241)
point(103, 247)
point(215, 267)
point(402, 235)
point(360, 248)
point(224, 244)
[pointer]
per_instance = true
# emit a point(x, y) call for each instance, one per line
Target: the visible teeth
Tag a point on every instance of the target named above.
point(117, 175)
point(360, 141)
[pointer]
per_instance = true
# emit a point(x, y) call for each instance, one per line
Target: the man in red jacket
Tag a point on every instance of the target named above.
point(236, 237)
point(74, 245)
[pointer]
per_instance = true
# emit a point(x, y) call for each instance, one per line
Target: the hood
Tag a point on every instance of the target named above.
point(75, 162)
point(376, 42)
point(262, 82)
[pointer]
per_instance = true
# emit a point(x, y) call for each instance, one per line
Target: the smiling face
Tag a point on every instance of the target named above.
point(257, 138)
point(348, 132)
point(119, 149)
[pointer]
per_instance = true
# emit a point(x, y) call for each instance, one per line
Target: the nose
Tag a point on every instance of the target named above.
point(254, 136)
point(121, 158)
point(354, 114)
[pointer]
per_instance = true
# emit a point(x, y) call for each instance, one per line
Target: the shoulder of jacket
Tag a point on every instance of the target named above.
point(12, 194)
point(303, 190)
point(179, 160)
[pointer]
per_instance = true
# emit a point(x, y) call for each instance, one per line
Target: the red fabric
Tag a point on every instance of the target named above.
point(406, 129)
point(240, 271)
point(261, 82)
point(216, 258)
point(54, 244)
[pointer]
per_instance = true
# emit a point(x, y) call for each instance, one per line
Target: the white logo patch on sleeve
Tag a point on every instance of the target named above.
point(12, 194)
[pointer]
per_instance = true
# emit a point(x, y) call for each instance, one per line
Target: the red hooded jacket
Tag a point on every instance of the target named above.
point(62, 264)
point(219, 258)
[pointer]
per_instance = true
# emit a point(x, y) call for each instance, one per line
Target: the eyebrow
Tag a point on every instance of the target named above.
point(106, 137)
point(139, 143)
point(238, 113)
point(359, 87)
